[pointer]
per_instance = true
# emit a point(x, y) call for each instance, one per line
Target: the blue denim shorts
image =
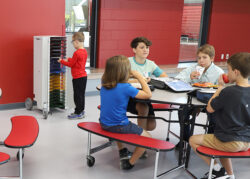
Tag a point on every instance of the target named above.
point(131, 128)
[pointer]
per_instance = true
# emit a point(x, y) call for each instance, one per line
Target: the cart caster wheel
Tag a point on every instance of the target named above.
point(17, 155)
point(90, 161)
point(28, 104)
point(45, 114)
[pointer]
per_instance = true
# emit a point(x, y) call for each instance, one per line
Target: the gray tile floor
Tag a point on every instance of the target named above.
point(60, 150)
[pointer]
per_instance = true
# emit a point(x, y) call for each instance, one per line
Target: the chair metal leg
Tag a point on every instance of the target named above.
point(89, 144)
point(181, 151)
point(211, 168)
point(21, 163)
point(156, 164)
point(169, 118)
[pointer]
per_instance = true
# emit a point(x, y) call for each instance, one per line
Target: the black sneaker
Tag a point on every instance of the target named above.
point(125, 164)
point(125, 154)
point(144, 155)
point(216, 174)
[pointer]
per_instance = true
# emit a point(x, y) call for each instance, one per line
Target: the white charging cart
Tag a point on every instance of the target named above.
point(49, 80)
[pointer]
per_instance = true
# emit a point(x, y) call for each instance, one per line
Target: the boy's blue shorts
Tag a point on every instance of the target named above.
point(131, 128)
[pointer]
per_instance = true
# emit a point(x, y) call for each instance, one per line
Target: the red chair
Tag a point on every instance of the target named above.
point(4, 158)
point(23, 134)
point(165, 107)
point(212, 153)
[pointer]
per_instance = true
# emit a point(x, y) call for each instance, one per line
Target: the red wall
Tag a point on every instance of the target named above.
point(229, 29)
point(123, 20)
point(20, 21)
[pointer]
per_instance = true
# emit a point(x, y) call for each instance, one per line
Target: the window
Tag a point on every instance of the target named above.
point(190, 32)
point(77, 15)
point(77, 18)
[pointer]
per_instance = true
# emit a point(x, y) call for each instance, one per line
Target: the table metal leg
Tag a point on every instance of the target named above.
point(169, 118)
point(192, 122)
point(181, 151)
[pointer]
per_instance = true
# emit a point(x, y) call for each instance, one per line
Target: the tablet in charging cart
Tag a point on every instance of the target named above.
point(171, 83)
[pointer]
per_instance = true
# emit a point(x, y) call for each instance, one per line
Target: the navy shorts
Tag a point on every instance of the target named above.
point(132, 107)
point(131, 128)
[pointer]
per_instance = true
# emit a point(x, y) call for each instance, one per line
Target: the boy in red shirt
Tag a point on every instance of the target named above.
point(77, 64)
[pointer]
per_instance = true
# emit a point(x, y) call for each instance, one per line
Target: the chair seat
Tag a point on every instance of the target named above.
point(220, 154)
point(161, 106)
point(24, 132)
point(4, 158)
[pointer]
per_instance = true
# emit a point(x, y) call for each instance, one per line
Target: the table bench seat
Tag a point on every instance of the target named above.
point(132, 139)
